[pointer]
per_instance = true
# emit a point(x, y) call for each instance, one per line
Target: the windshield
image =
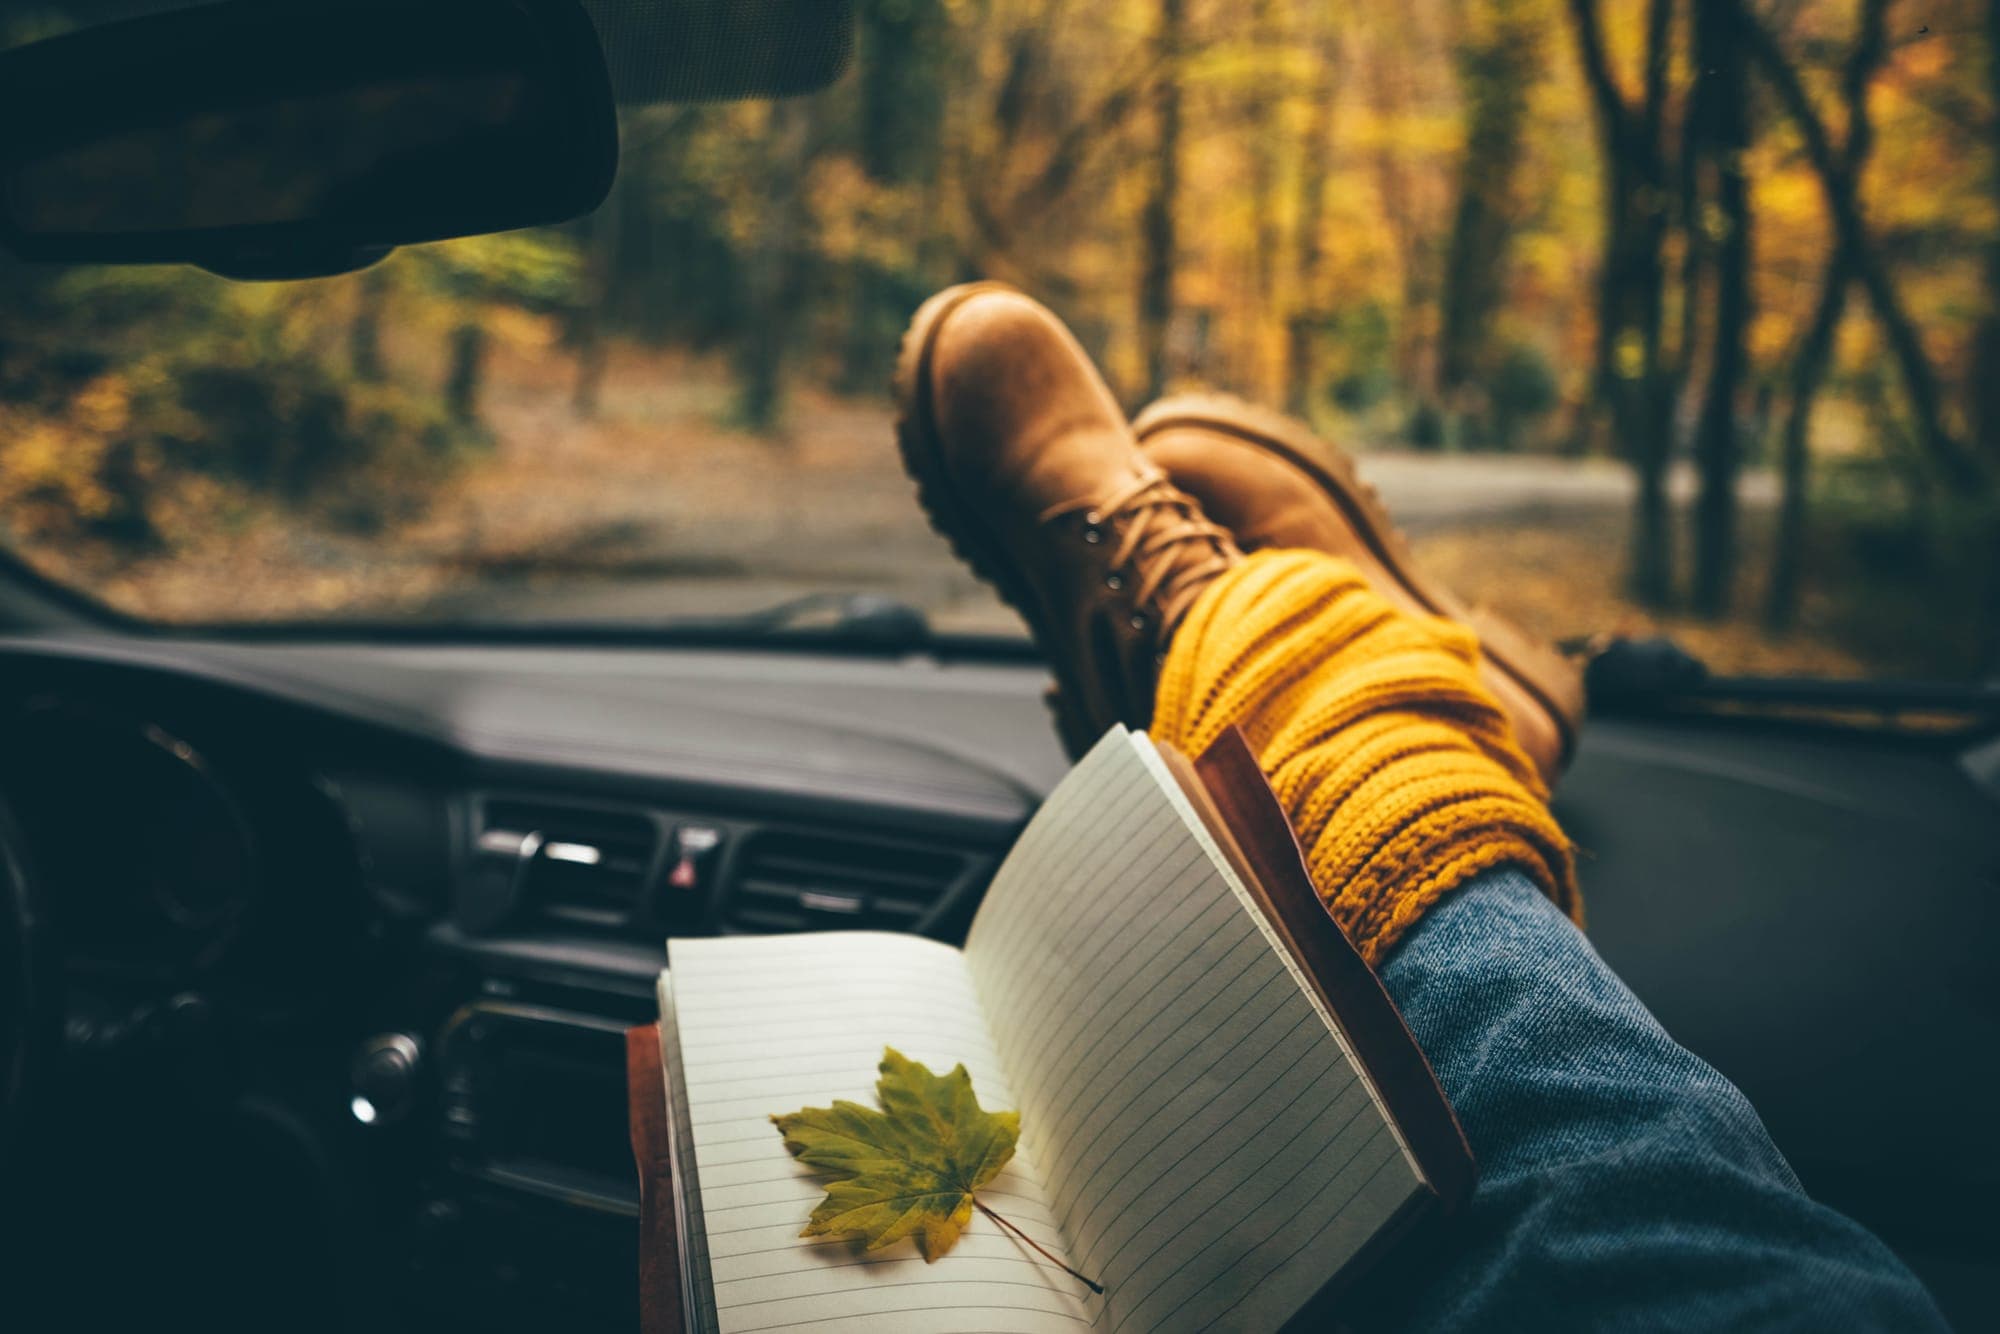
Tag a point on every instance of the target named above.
point(1626, 349)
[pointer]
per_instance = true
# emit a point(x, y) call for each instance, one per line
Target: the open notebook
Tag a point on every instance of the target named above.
point(1222, 1115)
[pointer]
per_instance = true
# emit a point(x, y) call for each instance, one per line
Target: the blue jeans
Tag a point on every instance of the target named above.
point(1623, 1183)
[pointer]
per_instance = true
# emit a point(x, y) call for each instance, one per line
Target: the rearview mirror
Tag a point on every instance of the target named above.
point(721, 50)
point(283, 141)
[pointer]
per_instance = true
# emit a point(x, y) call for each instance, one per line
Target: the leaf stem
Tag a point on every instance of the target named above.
point(1092, 1284)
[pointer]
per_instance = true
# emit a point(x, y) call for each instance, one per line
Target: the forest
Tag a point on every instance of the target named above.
point(1705, 241)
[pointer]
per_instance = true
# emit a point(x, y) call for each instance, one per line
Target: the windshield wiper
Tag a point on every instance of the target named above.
point(839, 622)
point(1656, 677)
point(868, 619)
point(1627, 671)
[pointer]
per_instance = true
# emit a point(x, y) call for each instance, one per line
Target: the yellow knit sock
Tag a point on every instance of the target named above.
point(1397, 768)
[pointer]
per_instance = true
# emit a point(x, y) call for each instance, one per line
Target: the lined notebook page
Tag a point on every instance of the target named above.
point(772, 1024)
point(1211, 1152)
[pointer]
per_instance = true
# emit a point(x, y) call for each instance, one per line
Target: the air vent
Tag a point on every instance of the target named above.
point(583, 865)
point(793, 881)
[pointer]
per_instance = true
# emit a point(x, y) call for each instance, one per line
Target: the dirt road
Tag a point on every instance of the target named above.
point(654, 510)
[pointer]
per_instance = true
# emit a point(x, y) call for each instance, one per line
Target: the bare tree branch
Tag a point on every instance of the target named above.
point(1085, 135)
point(1659, 14)
point(1597, 74)
point(1851, 234)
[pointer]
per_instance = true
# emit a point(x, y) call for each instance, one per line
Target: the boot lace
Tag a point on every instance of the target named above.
point(1168, 545)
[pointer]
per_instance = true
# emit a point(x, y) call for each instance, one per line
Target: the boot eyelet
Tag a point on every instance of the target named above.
point(1138, 622)
point(1114, 582)
point(1093, 519)
point(1093, 535)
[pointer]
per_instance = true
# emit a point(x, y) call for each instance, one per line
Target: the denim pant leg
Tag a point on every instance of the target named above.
point(1623, 1183)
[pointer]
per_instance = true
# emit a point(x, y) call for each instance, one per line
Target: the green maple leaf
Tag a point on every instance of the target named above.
point(910, 1169)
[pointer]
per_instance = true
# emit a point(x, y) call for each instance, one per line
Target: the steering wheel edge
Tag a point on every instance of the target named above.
point(28, 1015)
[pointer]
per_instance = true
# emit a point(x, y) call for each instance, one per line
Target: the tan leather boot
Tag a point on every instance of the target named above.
point(1025, 463)
point(1272, 483)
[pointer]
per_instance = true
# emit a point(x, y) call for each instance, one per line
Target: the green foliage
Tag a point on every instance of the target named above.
point(1358, 391)
point(1427, 428)
point(1359, 344)
point(1522, 391)
point(540, 270)
point(132, 400)
point(1913, 587)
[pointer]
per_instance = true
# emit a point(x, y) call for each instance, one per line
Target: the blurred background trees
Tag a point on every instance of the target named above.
point(1623, 227)
point(1693, 236)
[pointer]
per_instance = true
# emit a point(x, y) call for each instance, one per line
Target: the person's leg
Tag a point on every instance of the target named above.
point(1623, 1183)
point(1395, 764)
point(1622, 1180)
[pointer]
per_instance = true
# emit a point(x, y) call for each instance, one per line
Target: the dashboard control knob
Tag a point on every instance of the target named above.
point(384, 1076)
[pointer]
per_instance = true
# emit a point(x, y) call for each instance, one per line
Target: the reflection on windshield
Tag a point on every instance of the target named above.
point(1711, 350)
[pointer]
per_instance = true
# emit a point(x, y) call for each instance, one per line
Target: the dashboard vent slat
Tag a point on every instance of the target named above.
point(794, 880)
point(792, 866)
point(590, 866)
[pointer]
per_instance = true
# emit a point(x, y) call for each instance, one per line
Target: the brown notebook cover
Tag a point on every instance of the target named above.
point(1234, 799)
point(659, 1233)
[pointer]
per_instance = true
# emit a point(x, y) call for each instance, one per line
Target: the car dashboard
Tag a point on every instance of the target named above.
point(351, 933)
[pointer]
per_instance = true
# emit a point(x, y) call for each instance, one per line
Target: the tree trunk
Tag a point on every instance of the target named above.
point(587, 393)
point(868, 349)
point(1157, 223)
point(1697, 251)
point(586, 328)
point(1302, 324)
point(902, 79)
point(1985, 406)
point(1266, 37)
point(468, 373)
point(364, 336)
point(1644, 414)
point(1718, 451)
point(1985, 411)
point(1497, 69)
point(1781, 607)
point(1641, 392)
point(768, 274)
point(1631, 373)
point(903, 76)
point(1387, 79)
point(1837, 184)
